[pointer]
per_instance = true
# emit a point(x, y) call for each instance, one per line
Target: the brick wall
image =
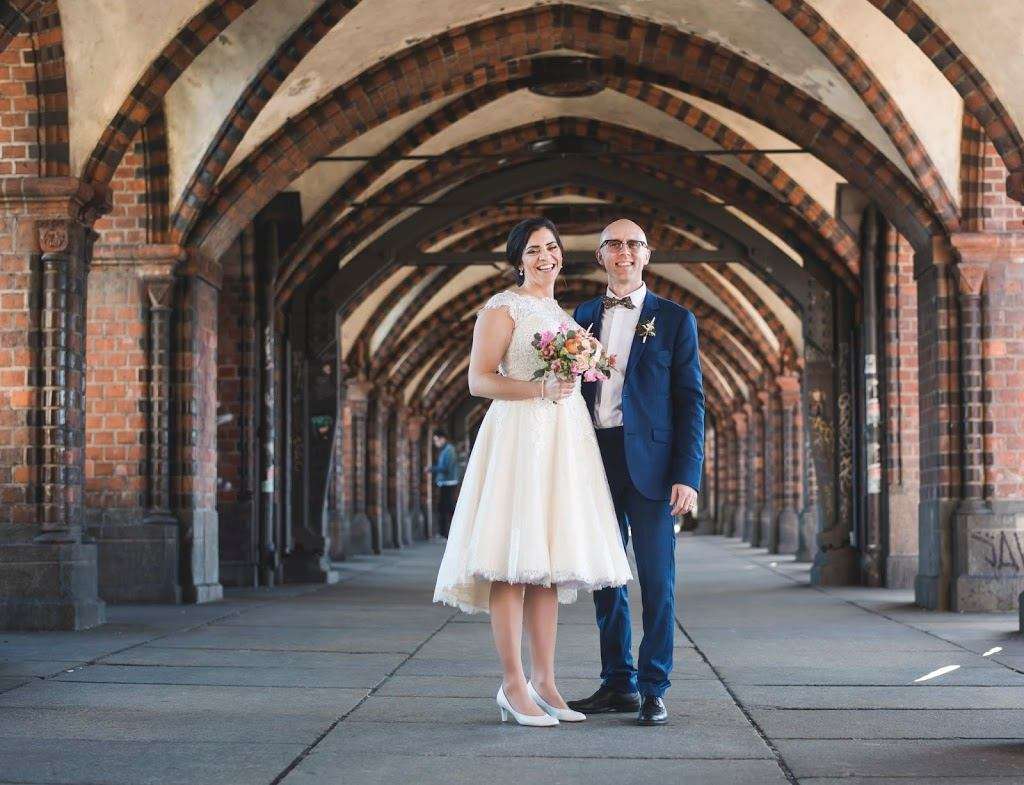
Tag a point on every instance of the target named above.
point(115, 395)
point(1003, 369)
point(18, 396)
point(19, 110)
point(901, 452)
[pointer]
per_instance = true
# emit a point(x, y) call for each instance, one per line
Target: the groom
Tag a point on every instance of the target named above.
point(649, 421)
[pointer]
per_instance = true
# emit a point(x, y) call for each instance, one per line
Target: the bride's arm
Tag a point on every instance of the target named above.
point(491, 337)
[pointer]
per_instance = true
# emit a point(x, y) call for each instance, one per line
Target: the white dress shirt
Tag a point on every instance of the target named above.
point(618, 326)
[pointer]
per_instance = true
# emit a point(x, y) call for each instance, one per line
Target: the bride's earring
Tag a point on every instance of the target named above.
point(520, 276)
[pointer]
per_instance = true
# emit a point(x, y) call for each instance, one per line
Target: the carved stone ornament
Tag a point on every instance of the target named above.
point(53, 236)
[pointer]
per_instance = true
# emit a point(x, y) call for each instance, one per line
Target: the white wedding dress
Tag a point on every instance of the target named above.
point(534, 506)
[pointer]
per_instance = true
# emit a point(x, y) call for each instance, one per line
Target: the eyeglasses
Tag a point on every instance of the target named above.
point(616, 245)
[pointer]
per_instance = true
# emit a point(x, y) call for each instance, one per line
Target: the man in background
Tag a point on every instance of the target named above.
point(446, 478)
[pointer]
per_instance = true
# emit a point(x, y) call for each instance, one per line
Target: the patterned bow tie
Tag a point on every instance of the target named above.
point(625, 302)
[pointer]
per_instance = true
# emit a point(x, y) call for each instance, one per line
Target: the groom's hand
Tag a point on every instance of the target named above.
point(684, 499)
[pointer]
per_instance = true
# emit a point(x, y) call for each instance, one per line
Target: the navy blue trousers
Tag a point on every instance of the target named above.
point(654, 545)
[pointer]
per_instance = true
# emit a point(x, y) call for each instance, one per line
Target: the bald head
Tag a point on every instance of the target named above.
point(623, 229)
point(623, 253)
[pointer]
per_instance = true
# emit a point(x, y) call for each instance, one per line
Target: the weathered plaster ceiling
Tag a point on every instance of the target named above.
point(108, 44)
point(991, 34)
point(751, 27)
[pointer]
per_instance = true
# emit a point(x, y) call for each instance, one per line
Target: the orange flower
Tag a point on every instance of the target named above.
point(573, 346)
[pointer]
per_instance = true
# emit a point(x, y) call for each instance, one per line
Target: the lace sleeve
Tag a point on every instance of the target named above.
point(505, 300)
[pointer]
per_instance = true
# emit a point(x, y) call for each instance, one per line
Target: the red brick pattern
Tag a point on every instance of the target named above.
point(19, 110)
point(115, 391)
point(19, 398)
point(1003, 371)
point(899, 339)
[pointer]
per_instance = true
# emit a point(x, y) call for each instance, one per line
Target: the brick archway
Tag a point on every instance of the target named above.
point(318, 229)
point(421, 182)
point(628, 47)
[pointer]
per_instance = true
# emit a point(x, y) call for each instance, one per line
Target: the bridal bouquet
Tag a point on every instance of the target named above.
point(569, 352)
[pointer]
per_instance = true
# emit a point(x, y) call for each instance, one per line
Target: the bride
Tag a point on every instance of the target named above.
point(534, 522)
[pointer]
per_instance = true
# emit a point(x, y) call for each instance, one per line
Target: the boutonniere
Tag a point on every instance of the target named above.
point(646, 330)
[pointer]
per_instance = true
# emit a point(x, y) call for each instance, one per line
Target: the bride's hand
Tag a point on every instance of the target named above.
point(554, 389)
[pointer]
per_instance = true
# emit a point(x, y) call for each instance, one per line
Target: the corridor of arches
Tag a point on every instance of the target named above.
point(243, 243)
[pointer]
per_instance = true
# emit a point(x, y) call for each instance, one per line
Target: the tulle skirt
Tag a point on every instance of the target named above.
point(534, 507)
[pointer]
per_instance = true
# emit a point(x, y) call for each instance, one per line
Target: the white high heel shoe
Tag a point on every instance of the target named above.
point(563, 715)
point(541, 721)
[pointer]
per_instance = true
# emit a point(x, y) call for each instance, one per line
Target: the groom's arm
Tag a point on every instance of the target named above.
point(688, 406)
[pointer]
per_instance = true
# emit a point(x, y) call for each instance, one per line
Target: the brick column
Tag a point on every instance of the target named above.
point(767, 536)
point(48, 573)
point(788, 521)
point(739, 514)
point(752, 473)
point(724, 494)
point(810, 514)
point(194, 486)
point(417, 518)
point(707, 500)
point(987, 561)
point(359, 538)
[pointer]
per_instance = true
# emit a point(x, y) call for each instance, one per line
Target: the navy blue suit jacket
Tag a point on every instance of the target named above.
point(662, 397)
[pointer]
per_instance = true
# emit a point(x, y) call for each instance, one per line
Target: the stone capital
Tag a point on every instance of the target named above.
point(150, 260)
point(53, 198)
point(357, 389)
point(969, 278)
point(986, 248)
point(739, 421)
point(198, 265)
point(789, 390)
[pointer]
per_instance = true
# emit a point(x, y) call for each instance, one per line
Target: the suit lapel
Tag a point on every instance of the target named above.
point(636, 350)
point(592, 318)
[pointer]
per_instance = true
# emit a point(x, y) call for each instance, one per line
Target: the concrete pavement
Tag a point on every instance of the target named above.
point(367, 682)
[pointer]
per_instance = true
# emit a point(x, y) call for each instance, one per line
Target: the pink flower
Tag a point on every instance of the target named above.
point(546, 338)
point(592, 376)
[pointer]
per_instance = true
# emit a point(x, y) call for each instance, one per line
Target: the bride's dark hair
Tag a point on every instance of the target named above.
point(520, 236)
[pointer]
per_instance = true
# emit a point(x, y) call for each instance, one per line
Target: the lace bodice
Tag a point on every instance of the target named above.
point(531, 315)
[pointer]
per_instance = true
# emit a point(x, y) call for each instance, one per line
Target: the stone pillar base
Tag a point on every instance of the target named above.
point(138, 562)
point(309, 567)
point(836, 567)
point(360, 535)
point(749, 525)
point(788, 527)
point(989, 562)
point(705, 525)
point(808, 535)
point(901, 571)
point(766, 535)
point(49, 586)
point(736, 522)
point(200, 579)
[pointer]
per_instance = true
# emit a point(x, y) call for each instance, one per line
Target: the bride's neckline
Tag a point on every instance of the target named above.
point(534, 296)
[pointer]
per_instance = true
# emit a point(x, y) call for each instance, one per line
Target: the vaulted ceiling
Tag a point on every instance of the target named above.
point(255, 94)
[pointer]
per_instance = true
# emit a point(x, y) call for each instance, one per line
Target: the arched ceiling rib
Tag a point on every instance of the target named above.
point(758, 30)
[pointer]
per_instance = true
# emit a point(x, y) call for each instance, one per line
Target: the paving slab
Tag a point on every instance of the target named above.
point(155, 725)
point(609, 737)
point(358, 677)
point(906, 724)
point(143, 763)
point(308, 639)
point(885, 758)
point(922, 696)
point(329, 769)
point(183, 698)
